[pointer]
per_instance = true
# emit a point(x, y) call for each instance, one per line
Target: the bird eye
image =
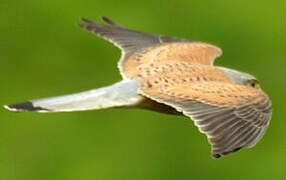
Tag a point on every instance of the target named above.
point(254, 83)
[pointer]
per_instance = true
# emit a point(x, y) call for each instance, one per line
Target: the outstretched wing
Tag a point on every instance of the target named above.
point(232, 116)
point(143, 48)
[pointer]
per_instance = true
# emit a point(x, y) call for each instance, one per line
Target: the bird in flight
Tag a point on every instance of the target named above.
point(175, 76)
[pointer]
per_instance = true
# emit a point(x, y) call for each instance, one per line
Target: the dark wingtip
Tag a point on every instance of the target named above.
point(86, 20)
point(104, 18)
point(216, 156)
point(107, 20)
point(226, 153)
point(81, 25)
point(89, 24)
point(111, 22)
point(25, 106)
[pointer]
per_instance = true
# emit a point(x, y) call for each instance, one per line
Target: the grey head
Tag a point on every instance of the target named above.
point(239, 77)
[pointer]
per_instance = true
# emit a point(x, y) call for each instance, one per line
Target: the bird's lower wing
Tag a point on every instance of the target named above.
point(123, 93)
point(232, 116)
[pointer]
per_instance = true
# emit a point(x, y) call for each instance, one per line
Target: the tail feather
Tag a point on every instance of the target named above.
point(123, 93)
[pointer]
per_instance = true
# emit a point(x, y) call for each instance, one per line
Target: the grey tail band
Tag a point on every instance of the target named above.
point(25, 106)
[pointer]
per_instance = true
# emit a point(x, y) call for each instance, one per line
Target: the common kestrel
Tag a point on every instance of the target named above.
point(174, 75)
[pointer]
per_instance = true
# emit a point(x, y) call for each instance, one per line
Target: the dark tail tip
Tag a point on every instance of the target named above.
point(25, 106)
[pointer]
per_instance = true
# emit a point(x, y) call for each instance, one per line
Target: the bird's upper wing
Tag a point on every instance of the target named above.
point(231, 115)
point(144, 48)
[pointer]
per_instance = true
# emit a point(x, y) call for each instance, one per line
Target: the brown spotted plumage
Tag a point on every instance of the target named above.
point(170, 75)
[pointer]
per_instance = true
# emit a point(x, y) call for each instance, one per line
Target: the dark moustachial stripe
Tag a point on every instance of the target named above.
point(25, 106)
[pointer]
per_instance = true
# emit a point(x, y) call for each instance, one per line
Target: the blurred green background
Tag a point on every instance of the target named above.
point(43, 53)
